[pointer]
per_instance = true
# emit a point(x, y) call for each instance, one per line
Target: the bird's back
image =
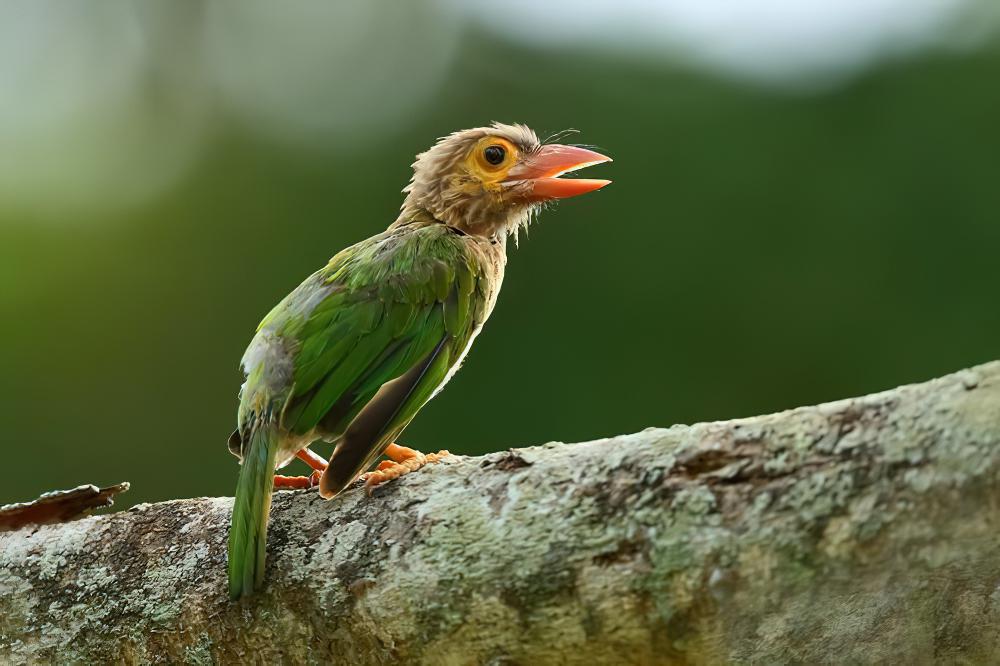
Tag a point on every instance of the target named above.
point(405, 303)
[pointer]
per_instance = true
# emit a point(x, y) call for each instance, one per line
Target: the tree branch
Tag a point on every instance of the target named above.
point(857, 531)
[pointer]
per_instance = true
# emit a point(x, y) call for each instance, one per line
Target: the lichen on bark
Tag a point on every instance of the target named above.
point(858, 531)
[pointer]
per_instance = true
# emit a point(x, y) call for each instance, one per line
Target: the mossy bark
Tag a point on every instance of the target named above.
point(865, 530)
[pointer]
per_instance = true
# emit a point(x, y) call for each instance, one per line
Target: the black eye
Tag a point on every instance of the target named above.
point(494, 154)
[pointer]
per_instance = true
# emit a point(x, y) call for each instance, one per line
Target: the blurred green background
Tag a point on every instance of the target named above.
point(804, 208)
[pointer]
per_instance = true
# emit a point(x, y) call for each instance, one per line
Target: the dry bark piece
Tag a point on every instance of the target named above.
point(59, 506)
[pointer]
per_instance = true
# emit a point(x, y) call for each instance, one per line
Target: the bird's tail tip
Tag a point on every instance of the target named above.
point(248, 532)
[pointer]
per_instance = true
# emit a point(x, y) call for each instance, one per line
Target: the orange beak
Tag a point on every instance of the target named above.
point(543, 168)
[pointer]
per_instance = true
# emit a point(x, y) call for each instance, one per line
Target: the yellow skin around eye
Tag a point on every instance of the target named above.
point(491, 174)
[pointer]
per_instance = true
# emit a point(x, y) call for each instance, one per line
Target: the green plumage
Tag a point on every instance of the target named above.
point(389, 317)
point(247, 538)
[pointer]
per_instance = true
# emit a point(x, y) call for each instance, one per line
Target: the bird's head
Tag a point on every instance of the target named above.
point(490, 180)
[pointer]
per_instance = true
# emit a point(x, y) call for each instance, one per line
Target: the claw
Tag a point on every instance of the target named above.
point(402, 460)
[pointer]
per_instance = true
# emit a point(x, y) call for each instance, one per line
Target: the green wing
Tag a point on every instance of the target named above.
point(397, 310)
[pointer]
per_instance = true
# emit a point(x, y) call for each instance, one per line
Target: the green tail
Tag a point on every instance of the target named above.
point(248, 534)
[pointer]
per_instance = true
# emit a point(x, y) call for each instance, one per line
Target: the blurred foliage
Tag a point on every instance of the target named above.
point(758, 250)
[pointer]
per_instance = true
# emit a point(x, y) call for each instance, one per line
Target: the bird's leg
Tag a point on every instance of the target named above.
point(402, 460)
point(298, 482)
point(282, 482)
point(314, 460)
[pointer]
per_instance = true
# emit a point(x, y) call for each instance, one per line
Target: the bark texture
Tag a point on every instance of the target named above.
point(860, 531)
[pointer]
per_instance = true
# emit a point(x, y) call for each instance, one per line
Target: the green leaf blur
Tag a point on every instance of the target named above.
point(759, 249)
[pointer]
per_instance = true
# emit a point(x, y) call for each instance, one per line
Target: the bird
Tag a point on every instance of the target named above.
point(351, 355)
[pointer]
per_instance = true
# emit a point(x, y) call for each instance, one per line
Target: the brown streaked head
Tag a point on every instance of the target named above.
point(490, 180)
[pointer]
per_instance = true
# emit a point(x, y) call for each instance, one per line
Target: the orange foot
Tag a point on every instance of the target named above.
point(303, 482)
point(402, 460)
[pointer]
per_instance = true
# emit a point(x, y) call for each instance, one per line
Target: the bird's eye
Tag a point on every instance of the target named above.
point(494, 154)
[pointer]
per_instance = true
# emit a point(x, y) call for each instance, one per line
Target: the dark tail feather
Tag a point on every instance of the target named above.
point(248, 533)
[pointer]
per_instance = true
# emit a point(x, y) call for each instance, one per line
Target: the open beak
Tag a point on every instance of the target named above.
point(543, 168)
